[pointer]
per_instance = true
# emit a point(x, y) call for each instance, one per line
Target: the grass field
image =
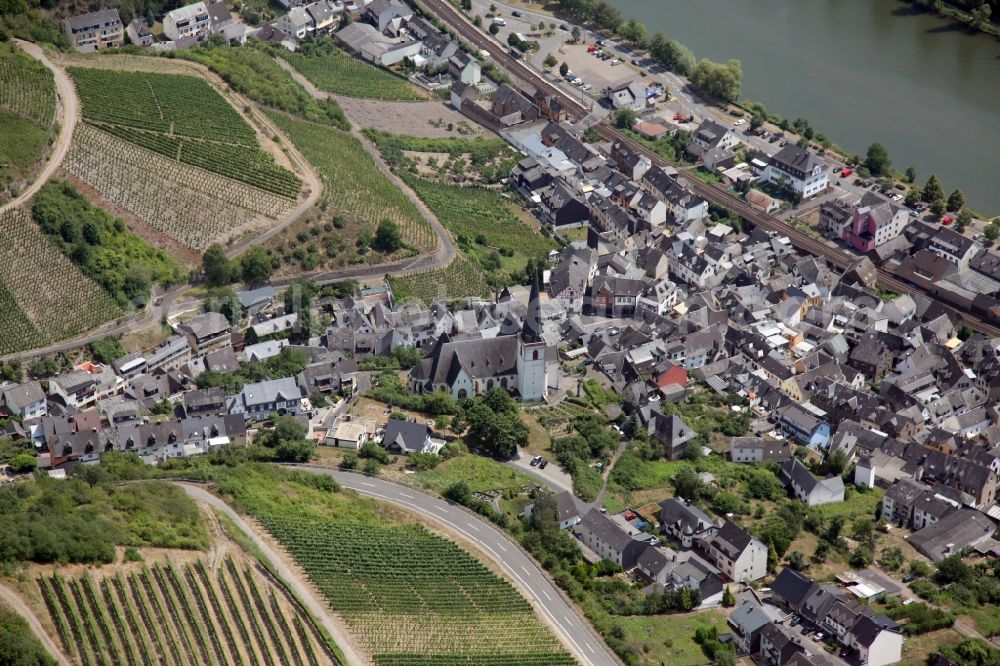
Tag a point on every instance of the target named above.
point(669, 639)
point(409, 596)
point(334, 71)
point(480, 473)
point(178, 614)
point(38, 280)
point(183, 118)
point(27, 110)
point(354, 191)
point(459, 279)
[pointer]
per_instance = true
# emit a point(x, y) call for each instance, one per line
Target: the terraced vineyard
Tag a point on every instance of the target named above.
point(183, 614)
point(183, 118)
point(352, 183)
point(410, 597)
point(45, 297)
point(332, 70)
point(191, 206)
point(459, 279)
point(26, 86)
point(27, 114)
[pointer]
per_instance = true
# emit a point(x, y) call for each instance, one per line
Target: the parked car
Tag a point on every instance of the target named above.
point(636, 62)
point(564, 27)
point(592, 49)
point(616, 61)
point(518, 13)
point(838, 169)
point(741, 121)
point(535, 461)
point(499, 21)
point(543, 464)
point(601, 42)
point(578, 81)
point(908, 578)
point(586, 86)
point(846, 173)
point(795, 620)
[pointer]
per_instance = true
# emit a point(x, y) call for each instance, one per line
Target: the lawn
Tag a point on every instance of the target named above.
point(22, 143)
point(332, 70)
point(480, 473)
point(917, 648)
point(669, 639)
point(855, 505)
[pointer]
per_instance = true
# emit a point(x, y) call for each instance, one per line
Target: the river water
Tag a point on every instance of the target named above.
point(859, 71)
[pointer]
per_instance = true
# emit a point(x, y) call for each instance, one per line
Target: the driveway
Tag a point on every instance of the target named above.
point(552, 476)
point(571, 628)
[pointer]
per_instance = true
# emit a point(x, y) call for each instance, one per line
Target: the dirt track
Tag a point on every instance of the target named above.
point(13, 600)
point(69, 105)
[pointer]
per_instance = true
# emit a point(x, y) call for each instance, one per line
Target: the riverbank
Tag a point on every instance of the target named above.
point(947, 10)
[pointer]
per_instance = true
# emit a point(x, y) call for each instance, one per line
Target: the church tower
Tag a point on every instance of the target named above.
point(532, 379)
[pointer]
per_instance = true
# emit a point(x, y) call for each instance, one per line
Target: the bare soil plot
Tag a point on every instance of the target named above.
point(432, 119)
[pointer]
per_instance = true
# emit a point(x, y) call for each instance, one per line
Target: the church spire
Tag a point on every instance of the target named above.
point(531, 331)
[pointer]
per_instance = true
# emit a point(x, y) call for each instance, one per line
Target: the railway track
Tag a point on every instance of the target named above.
point(533, 81)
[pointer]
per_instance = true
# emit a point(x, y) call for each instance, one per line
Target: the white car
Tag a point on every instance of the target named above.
point(741, 121)
point(578, 81)
point(616, 61)
point(586, 86)
point(499, 21)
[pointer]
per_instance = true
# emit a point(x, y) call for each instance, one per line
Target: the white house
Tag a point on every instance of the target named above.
point(798, 169)
point(738, 555)
point(808, 488)
point(629, 96)
point(188, 21)
point(350, 435)
point(25, 400)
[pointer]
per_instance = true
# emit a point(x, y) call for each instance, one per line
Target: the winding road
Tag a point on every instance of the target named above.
point(13, 599)
point(575, 632)
point(441, 257)
point(69, 106)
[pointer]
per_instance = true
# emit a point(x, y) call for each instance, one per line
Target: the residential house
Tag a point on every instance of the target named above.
point(188, 21)
point(77, 389)
point(747, 621)
point(778, 645)
point(259, 400)
point(205, 401)
point(464, 68)
point(758, 449)
point(94, 31)
point(875, 224)
point(609, 541)
point(631, 95)
point(672, 433)
point(685, 522)
point(737, 554)
point(26, 400)
point(807, 488)
point(804, 426)
point(900, 499)
point(409, 437)
point(798, 169)
point(296, 22)
point(350, 435)
point(139, 33)
point(206, 332)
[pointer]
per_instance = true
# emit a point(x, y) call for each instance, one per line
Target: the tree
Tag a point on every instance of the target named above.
point(956, 200)
point(938, 207)
point(255, 266)
point(861, 557)
point(877, 160)
point(387, 237)
point(466, 5)
point(757, 119)
point(563, 69)
point(550, 61)
point(23, 463)
point(575, 34)
point(494, 28)
point(933, 190)
point(286, 440)
point(107, 350)
point(991, 231)
point(981, 16)
point(772, 558)
point(718, 80)
point(837, 462)
point(913, 196)
point(728, 598)
point(688, 485)
point(625, 118)
point(216, 267)
point(796, 560)
point(910, 174)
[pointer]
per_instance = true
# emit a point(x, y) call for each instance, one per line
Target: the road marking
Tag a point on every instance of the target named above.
point(406, 496)
point(526, 570)
point(500, 546)
point(589, 647)
point(473, 527)
point(546, 594)
point(370, 485)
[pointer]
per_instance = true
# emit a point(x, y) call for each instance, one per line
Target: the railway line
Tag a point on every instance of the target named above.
point(531, 81)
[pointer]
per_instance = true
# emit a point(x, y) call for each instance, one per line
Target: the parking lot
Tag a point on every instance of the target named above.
point(598, 73)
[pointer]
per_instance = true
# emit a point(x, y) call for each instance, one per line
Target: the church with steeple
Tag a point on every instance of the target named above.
point(466, 368)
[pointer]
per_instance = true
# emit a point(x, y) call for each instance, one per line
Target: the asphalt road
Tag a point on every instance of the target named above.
point(575, 632)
